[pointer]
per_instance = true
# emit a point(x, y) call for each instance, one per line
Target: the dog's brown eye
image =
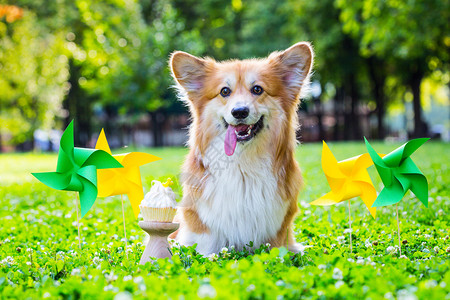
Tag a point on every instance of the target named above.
point(225, 92)
point(257, 90)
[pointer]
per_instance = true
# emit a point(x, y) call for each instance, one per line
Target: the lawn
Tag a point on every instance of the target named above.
point(39, 255)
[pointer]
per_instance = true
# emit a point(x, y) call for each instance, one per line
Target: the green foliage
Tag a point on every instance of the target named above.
point(39, 255)
point(33, 76)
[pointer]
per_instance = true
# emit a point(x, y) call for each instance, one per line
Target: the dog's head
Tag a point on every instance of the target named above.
point(243, 101)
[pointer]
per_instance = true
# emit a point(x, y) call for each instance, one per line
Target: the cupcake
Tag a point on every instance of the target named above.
point(159, 204)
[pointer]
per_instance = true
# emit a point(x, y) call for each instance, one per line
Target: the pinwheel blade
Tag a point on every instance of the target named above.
point(54, 180)
point(87, 196)
point(327, 199)
point(419, 186)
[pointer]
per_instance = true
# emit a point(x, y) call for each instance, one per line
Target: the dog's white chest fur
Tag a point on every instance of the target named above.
point(240, 202)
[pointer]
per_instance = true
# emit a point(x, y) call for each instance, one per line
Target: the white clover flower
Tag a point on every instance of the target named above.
point(206, 291)
point(337, 274)
point(75, 272)
point(96, 260)
point(338, 284)
point(224, 250)
point(138, 279)
point(301, 248)
point(111, 277)
point(391, 250)
point(213, 257)
point(340, 239)
point(110, 287)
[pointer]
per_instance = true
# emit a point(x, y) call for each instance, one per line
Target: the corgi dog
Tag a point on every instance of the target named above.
point(240, 178)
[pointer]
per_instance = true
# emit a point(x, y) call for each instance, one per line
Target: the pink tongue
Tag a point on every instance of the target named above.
point(230, 140)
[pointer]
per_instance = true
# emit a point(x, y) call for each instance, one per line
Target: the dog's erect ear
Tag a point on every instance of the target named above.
point(294, 66)
point(188, 71)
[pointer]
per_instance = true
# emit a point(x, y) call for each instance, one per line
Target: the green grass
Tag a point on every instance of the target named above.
point(39, 256)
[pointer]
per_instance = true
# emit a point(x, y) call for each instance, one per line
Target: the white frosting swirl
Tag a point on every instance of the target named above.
point(159, 196)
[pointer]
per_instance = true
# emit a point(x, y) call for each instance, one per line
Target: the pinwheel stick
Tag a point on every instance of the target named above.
point(124, 228)
point(398, 231)
point(350, 226)
point(78, 222)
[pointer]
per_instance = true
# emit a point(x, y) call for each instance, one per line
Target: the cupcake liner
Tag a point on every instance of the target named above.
point(164, 214)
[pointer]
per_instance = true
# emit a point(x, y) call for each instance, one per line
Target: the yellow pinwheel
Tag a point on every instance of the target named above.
point(126, 180)
point(347, 179)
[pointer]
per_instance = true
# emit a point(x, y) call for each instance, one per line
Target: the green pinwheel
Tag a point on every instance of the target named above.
point(399, 174)
point(77, 170)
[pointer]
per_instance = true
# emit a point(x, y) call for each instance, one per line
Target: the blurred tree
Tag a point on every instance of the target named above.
point(337, 58)
point(33, 74)
point(412, 35)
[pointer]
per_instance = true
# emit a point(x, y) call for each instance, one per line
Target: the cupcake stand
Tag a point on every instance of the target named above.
point(158, 246)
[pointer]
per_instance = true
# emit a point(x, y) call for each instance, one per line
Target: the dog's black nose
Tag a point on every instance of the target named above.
point(240, 112)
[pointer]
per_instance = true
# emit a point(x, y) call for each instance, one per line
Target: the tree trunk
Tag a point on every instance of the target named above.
point(319, 114)
point(337, 113)
point(419, 125)
point(157, 119)
point(79, 107)
point(354, 117)
point(376, 73)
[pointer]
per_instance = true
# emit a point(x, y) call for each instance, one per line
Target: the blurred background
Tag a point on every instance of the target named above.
point(381, 69)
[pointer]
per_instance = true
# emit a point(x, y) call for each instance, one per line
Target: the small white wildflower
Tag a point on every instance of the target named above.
point(403, 256)
point(46, 295)
point(425, 250)
point(436, 249)
point(110, 287)
point(267, 244)
point(300, 248)
point(213, 257)
point(127, 278)
point(340, 239)
point(75, 272)
point(322, 267)
point(224, 250)
point(28, 263)
point(138, 279)
point(337, 274)
point(96, 260)
point(29, 250)
point(111, 276)
point(206, 291)
point(391, 250)
point(250, 288)
point(348, 230)
point(338, 284)
point(429, 284)
point(123, 296)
